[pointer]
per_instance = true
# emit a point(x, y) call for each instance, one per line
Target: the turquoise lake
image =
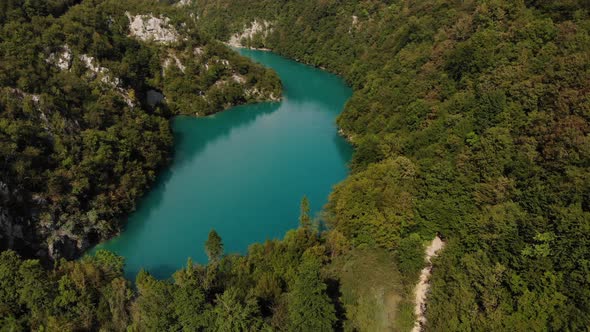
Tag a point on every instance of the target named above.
point(241, 172)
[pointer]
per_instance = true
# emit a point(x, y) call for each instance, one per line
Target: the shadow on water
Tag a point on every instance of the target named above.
point(153, 196)
point(324, 89)
point(209, 132)
point(343, 147)
point(212, 129)
point(160, 272)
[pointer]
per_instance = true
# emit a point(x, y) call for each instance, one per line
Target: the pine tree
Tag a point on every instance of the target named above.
point(189, 305)
point(304, 218)
point(214, 246)
point(310, 308)
point(233, 314)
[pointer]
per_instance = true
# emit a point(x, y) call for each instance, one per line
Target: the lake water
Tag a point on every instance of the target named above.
point(241, 172)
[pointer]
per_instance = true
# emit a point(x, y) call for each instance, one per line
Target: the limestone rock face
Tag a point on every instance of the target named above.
point(150, 28)
point(183, 3)
point(63, 59)
point(255, 28)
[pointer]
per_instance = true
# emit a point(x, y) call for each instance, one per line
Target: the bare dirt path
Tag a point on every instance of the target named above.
point(421, 290)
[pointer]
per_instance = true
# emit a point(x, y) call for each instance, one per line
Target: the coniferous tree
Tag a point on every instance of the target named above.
point(189, 304)
point(214, 246)
point(310, 308)
point(233, 314)
point(304, 218)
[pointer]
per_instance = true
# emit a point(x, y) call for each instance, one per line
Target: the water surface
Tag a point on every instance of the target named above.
point(242, 172)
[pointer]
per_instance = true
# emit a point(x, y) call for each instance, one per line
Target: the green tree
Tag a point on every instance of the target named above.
point(35, 7)
point(154, 308)
point(304, 218)
point(189, 299)
point(113, 308)
point(232, 314)
point(310, 308)
point(35, 290)
point(410, 256)
point(214, 246)
point(110, 262)
point(9, 283)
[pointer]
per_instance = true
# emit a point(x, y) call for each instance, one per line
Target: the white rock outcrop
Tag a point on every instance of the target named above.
point(257, 94)
point(238, 78)
point(97, 71)
point(263, 27)
point(21, 94)
point(355, 24)
point(173, 59)
point(102, 73)
point(150, 28)
point(184, 3)
point(63, 59)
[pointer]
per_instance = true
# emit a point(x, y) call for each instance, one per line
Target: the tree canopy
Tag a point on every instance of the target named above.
point(469, 120)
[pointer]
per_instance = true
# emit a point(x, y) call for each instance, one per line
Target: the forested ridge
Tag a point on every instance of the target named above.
point(469, 119)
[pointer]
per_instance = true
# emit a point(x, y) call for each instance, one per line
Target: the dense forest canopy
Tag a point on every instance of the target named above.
point(469, 119)
point(79, 137)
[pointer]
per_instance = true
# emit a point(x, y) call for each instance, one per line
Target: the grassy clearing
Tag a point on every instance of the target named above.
point(372, 292)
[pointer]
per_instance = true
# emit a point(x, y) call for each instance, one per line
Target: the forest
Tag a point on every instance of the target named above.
point(80, 139)
point(469, 120)
point(291, 284)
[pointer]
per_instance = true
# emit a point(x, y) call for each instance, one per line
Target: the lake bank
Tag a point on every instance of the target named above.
point(241, 172)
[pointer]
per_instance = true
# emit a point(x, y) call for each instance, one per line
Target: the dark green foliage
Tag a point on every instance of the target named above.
point(73, 296)
point(80, 146)
point(214, 246)
point(189, 299)
point(278, 285)
point(373, 206)
point(304, 218)
point(410, 257)
point(487, 101)
point(154, 308)
point(469, 118)
point(9, 278)
point(310, 308)
point(233, 314)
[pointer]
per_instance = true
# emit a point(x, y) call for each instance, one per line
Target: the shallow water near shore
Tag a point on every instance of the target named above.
point(241, 172)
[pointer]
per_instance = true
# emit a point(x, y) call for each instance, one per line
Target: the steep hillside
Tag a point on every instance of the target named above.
point(86, 92)
point(470, 118)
